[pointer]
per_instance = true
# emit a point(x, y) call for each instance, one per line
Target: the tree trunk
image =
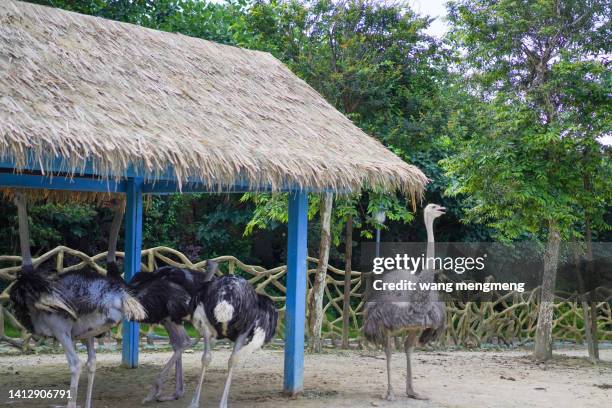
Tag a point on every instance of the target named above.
point(315, 307)
point(588, 333)
point(346, 301)
point(588, 237)
point(543, 338)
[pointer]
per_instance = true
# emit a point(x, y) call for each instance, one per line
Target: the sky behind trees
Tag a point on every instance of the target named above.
point(435, 9)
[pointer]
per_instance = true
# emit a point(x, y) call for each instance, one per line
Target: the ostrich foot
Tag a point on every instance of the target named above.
point(171, 397)
point(414, 395)
point(153, 394)
point(389, 396)
point(65, 406)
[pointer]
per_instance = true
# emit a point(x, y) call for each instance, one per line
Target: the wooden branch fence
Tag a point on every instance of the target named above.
point(507, 318)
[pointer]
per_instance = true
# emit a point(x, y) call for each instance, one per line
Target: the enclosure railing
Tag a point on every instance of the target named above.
point(505, 318)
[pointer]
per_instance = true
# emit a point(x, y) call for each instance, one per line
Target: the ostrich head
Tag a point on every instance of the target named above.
point(433, 211)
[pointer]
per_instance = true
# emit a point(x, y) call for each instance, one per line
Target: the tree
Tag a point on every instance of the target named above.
point(315, 303)
point(518, 163)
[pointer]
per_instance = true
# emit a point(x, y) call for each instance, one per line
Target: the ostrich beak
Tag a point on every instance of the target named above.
point(442, 210)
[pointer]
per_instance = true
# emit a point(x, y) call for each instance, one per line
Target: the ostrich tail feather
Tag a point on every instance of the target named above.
point(53, 303)
point(133, 309)
point(373, 329)
point(35, 290)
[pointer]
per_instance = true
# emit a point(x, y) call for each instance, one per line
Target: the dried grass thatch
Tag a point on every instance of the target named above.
point(121, 96)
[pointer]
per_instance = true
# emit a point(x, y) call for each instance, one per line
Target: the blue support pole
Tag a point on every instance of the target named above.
point(295, 316)
point(133, 247)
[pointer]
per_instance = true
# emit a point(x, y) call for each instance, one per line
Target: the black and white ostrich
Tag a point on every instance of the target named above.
point(422, 318)
point(166, 295)
point(77, 305)
point(228, 307)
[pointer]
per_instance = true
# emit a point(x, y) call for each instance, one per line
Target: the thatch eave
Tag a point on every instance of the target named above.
point(82, 94)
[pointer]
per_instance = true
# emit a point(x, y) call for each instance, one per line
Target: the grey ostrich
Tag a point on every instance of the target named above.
point(422, 318)
point(77, 305)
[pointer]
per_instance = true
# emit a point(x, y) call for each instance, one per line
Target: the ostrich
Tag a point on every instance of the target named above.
point(74, 306)
point(166, 296)
point(229, 307)
point(424, 314)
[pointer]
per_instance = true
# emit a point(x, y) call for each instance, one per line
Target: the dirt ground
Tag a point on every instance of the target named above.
point(336, 379)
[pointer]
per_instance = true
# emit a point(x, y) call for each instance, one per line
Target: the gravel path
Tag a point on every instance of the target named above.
point(337, 379)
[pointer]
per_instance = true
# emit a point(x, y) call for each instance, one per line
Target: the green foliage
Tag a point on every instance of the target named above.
point(52, 225)
point(369, 59)
point(272, 210)
point(521, 162)
point(201, 225)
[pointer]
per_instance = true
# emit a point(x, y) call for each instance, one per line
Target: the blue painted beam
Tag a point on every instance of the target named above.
point(61, 183)
point(164, 183)
point(133, 246)
point(295, 315)
point(87, 168)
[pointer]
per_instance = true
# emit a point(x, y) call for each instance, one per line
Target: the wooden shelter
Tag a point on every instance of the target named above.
point(97, 106)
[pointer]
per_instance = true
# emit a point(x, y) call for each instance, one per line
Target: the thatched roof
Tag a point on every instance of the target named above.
point(121, 96)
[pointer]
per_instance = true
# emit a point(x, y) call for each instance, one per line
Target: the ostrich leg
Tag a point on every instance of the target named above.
point(91, 369)
point(179, 341)
point(179, 389)
point(206, 359)
point(409, 344)
point(64, 338)
point(233, 360)
point(390, 395)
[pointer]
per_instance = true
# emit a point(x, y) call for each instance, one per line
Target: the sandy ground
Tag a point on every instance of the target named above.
point(337, 379)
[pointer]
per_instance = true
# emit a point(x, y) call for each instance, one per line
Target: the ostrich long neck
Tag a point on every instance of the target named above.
point(430, 233)
point(24, 233)
point(114, 233)
point(428, 273)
